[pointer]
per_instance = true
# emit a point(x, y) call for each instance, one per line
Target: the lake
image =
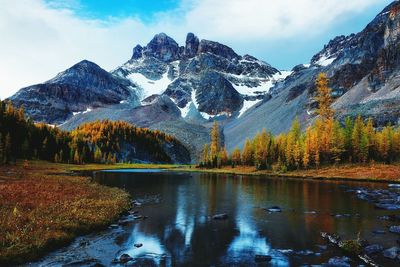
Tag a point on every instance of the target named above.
point(179, 229)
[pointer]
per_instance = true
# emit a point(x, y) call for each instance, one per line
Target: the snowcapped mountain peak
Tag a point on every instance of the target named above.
point(220, 77)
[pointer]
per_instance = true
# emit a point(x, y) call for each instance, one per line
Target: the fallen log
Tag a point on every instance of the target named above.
point(336, 240)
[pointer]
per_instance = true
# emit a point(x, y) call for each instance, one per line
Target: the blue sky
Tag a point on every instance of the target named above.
point(103, 9)
point(55, 34)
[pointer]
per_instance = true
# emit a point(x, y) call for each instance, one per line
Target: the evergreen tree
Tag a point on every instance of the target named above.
point(223, 154)
point(77, 158)
point(98, 156)
point(307, 148)
point(324, 97)
point(236, 158)
point(1, 149)
point(7, 148)
point(356, 138)
point(247, 154)
point(215, 142)
point(348, 133)
point(205, 158)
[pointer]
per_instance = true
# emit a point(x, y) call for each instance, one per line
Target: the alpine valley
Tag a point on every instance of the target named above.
point(181, 90)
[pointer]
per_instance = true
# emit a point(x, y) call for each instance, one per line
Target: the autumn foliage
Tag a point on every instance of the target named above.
point(327, 141)
point(99, 141)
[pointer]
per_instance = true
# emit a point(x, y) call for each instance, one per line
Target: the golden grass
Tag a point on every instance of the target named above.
point(43, 207)
point(368, 172)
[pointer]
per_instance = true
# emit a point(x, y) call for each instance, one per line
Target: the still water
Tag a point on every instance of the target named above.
point(180, 230)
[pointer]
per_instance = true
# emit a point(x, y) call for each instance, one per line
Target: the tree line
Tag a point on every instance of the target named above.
point(327, 141)
point(99, 141)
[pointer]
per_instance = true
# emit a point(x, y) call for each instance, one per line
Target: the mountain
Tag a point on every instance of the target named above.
point(164, 86)
point(204, 76)
point(364, 71)
point(182, 89)
point(79, 89)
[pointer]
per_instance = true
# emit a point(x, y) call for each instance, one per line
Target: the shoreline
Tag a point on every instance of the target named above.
point(390, 172)
point(376, 172)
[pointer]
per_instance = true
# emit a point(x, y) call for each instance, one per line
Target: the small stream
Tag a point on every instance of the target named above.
point(172, 222)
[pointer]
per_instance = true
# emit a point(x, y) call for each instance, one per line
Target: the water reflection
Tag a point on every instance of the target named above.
point(180, 230)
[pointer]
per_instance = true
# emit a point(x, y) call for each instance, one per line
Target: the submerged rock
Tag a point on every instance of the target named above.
point(222, 216)
point(395, 229)
point(391, 253)
point(262, 258)
point(339, 261)
point(387, 206)
point(124, 258)
point(274, 209)
point(379, 232)
point(373, 249)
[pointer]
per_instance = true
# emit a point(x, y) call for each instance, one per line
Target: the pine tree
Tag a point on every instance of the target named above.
point(236, 158)
point(348, 133)
point(56, 158)
point(337, 143)
point(1, 148)
point(98, 156)
point(205, 158)
point(307, 148)
point(356, 138)
point(364, 144)
point(224, 156)
point(247, 154)
point(7, 148)
point(25, 149)
point(324, 97)
point(77, 158)
point(296, 154)
point(109, 158)
point(215, 141)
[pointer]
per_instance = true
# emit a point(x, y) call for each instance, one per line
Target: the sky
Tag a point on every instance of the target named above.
point(40, 38)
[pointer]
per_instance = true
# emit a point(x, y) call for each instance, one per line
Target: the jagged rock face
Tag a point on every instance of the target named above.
point(217, 49)
point(216, 95)
point(206, 75)
point(83, 86)
point(163, 48)
point(192, 45)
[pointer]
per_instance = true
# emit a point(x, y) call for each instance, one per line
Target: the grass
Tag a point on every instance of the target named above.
point(44, 207)
point(366, 172)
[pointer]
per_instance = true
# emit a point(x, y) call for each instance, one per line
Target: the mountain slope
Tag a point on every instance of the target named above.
point(364, 75)
point(78, 89)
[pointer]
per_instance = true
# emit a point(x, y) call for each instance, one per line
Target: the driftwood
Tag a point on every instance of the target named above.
point(335, 240)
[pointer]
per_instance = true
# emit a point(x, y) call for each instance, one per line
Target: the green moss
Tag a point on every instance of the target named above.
point(352, 247)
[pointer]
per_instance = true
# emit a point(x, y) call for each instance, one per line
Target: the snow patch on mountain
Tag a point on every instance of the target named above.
point(82, 112)
point(247, 104)
point(325, 61)
point(185, 110)
point(149, 87)
point(264, 85)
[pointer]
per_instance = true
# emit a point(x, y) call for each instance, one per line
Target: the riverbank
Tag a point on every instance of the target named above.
point(368, 172)
point(43, 206)
point(375, 172)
